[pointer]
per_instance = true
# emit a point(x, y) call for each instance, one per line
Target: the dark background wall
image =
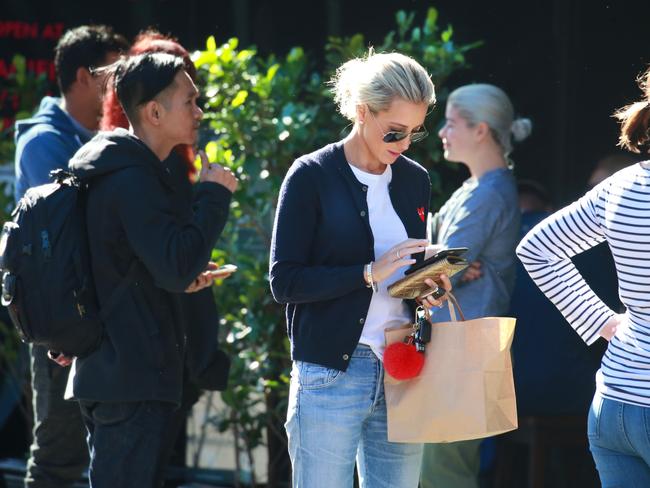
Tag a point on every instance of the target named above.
point(567, 64)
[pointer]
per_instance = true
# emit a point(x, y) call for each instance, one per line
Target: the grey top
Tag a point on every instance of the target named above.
point(482, 215)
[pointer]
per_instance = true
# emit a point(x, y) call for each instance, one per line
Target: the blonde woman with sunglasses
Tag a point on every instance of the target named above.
point(350, 220)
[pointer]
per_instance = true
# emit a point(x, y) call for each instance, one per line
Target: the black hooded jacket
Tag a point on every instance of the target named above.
point(131, 218)
point(207, 365)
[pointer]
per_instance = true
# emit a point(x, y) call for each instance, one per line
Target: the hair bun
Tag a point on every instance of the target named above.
point(521, 128)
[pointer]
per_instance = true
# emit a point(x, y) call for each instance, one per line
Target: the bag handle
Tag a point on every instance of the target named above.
point(454, 306)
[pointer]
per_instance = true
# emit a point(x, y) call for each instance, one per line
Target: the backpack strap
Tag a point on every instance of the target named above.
point(115, 297)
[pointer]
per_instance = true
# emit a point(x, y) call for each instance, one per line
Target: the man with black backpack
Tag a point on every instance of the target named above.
point(129, 386)
point(46, 142)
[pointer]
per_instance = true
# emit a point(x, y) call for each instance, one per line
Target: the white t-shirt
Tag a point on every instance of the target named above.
point(387, 230)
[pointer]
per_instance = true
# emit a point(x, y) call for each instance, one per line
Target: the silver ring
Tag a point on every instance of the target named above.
point(398, 256)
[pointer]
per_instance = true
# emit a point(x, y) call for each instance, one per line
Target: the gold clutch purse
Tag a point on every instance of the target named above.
point(447, 261)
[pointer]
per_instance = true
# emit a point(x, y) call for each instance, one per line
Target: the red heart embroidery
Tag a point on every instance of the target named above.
point(421, 213)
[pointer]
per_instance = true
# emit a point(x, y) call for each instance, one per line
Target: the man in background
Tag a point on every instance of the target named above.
point(59, 455)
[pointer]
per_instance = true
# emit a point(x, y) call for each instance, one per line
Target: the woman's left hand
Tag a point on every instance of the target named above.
point(428, 299)
point(609, 329)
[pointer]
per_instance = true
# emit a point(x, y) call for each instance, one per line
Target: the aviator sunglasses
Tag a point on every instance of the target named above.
point(396, 136)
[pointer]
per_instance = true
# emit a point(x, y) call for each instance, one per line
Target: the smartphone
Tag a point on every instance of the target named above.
point(223, 271)
point(452, 252)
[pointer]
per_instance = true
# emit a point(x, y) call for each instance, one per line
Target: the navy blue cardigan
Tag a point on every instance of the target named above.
point(321, 241)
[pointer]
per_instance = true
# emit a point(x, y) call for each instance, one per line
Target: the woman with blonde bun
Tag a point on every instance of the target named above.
point(482, 215)
point(350, 220)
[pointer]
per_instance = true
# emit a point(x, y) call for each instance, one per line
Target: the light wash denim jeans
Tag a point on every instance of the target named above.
point(335, 417)
point(619, 439)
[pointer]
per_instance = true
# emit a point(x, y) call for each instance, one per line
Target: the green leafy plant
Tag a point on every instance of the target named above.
point(258, 123)
point(261, 113)
point(26, 89)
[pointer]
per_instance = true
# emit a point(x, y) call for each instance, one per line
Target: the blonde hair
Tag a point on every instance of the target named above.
point(376, 79)
point(635, 119)
point(481, 102)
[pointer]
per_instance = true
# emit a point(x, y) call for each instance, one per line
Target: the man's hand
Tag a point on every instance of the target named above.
point(216, 173)
point(202, 281)
point(59, 358)
point(207, 277)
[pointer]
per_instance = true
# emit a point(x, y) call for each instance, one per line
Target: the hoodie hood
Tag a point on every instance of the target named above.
point(111, 151)
point(49, 113)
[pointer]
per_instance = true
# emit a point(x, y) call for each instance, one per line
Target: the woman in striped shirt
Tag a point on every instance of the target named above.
point(618, 211)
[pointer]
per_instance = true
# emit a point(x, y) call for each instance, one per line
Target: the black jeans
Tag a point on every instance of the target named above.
point(58, 455)
point(126, 442)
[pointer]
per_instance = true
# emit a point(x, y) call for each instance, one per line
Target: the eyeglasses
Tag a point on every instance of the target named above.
point(396, 136)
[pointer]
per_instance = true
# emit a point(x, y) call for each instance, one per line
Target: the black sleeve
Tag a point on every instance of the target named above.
point(293, 279)
point(223, 195)
point(174, 254)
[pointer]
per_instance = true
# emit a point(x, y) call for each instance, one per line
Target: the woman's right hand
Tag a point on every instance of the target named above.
point(397, 257)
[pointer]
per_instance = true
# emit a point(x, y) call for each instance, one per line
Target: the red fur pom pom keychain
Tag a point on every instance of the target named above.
point(405, 360)
point(402, 360)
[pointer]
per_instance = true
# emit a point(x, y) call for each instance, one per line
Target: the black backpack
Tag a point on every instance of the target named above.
point(47, 283)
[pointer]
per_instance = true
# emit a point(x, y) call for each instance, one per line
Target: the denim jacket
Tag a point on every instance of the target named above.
point(482, 215)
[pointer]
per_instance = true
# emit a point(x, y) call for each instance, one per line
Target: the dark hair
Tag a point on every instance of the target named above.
point(149, 41)
point(84, 47)
point(534, 189)
point(635, 119)
point(139, 79)
point(614, 162)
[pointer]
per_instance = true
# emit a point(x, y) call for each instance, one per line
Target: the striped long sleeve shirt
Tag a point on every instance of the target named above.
point(618, 211)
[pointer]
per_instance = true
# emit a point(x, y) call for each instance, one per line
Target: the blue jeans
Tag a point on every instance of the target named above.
point(125, 440)
point(335, 417)
point(619, 439)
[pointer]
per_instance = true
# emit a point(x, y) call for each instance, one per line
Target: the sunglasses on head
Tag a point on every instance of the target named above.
point(396, 136)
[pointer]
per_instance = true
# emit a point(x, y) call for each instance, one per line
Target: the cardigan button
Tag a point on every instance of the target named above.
point(365, 188)
point(363, 213)
point(345, 357)
point(362, 320)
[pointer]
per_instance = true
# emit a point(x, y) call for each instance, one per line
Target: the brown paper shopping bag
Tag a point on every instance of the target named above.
point(465, 390)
